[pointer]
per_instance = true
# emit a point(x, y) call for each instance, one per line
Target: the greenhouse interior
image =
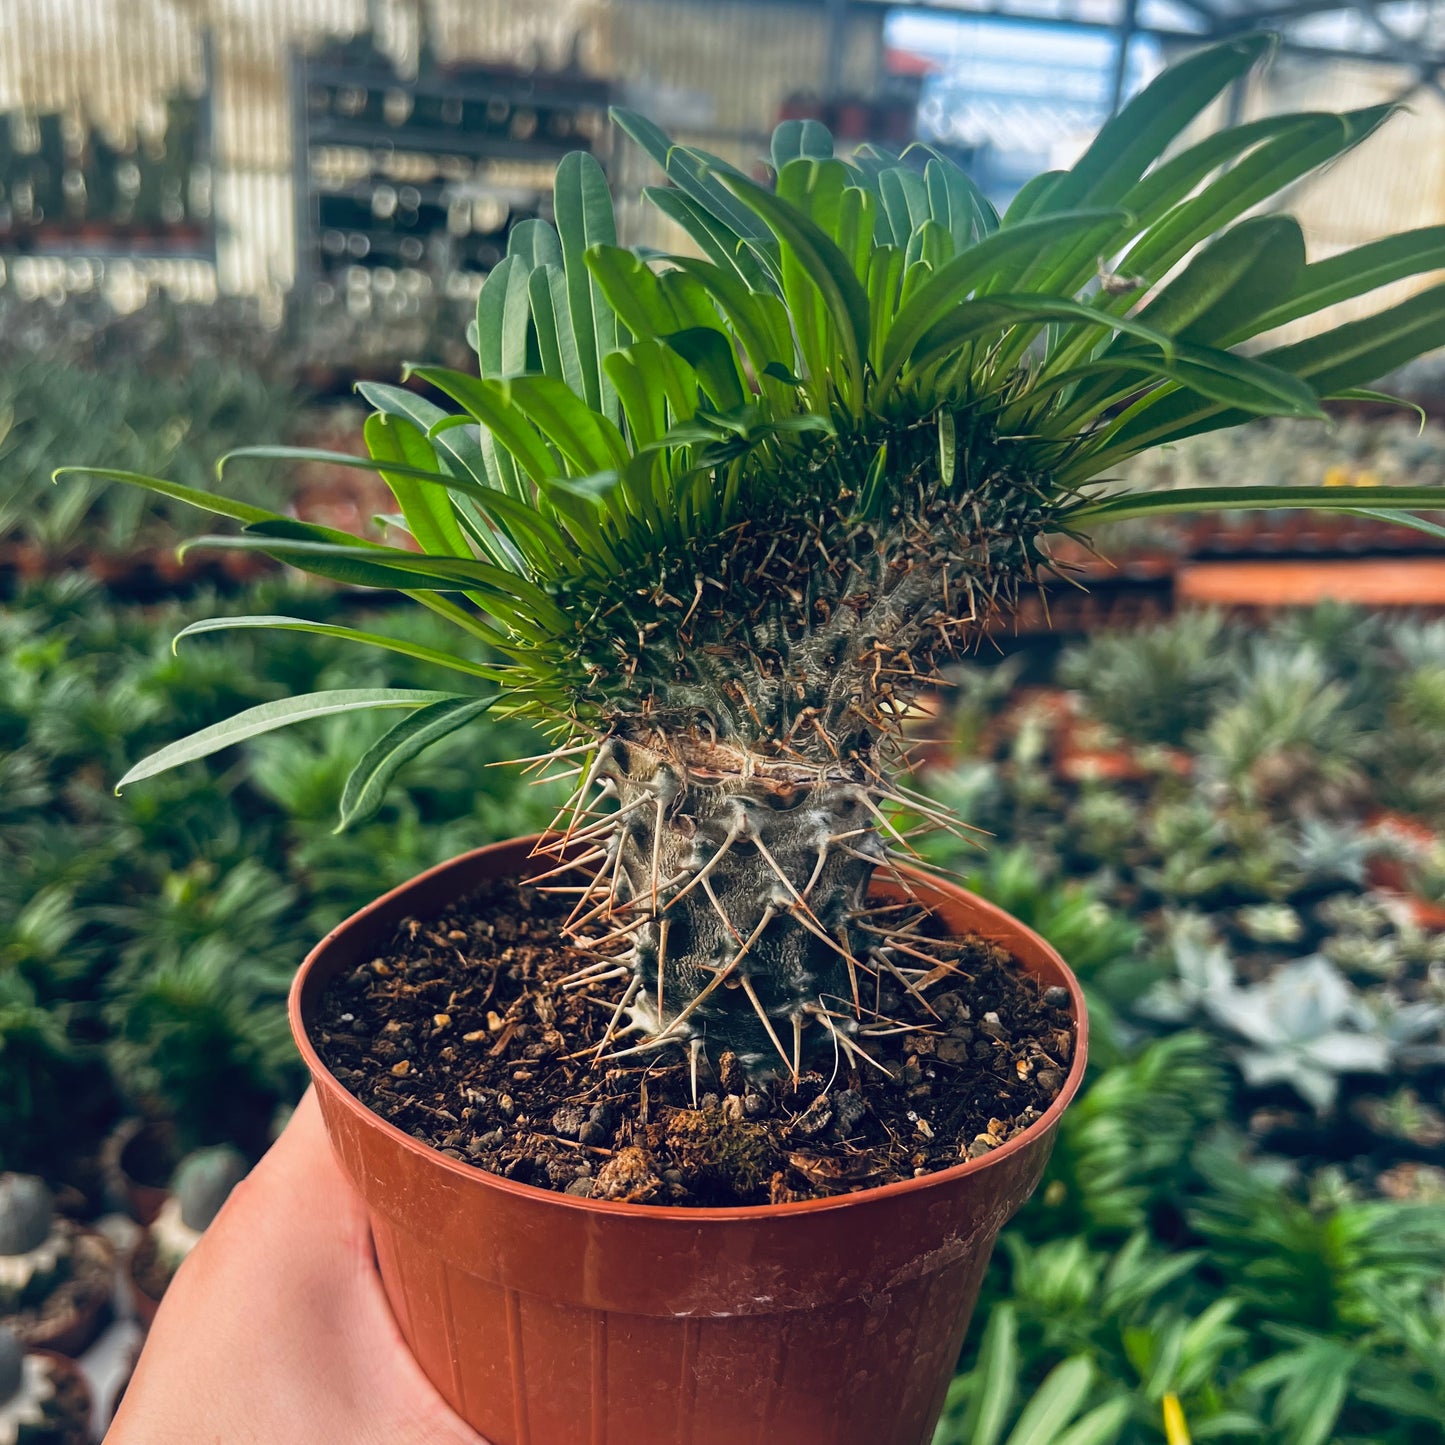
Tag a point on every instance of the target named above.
point(1193, 765)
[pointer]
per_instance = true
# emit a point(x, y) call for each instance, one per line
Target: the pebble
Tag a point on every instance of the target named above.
point(1056, 996)
point(849, 1107)
point(754, 1105)
point(591, 1133)
point(815, 1118)
point(581, 1188)
point(568, 1121)
point(1050, 1080)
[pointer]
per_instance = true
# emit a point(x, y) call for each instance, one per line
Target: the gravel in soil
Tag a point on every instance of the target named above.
point(464, 1035)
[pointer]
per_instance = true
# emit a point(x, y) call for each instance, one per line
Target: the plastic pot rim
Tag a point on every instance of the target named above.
point(323, 1078)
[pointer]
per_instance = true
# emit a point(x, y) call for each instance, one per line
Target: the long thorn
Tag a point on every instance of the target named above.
point(628, 995)
point(757, 1004)
point(721, 976)
point(733, 834)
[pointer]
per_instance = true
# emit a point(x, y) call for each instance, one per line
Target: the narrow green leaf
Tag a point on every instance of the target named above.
point(826, 268)
point(801, 139)
point(365, 789)
point(1352, 273)
point(535, 243)
point(996, 1373)
point(956, 203)
point(1127, 505)
point(1263, 173)
point(556, 340)
point(717, 241)
point(1101, 1426)
point(460, 450)
point(1132, 140)
point(1054, 1403)
point(271, 715)
point(488, 401)
point(1000, 256)
point(349, 634)
point(694, 176)
point(583, 207)
point(428, 510)
point(206, 501)
point(587, 439)
point(970, 320)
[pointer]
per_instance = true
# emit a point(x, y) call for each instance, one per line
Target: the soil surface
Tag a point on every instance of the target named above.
point(85, 1291)
point(465, 1035)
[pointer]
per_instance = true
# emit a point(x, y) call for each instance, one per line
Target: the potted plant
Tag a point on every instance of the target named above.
point(202, 1185)
point(712, 522)
point(44, 1399)
point(56, 1279)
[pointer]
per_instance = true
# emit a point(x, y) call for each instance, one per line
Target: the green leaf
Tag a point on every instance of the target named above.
point(206, 501)
point(716, 240)
point(489, 402)
point(1401, 519)
point(1263, 173)
point(971, 320)
point(1127, 505)
point(903, 194)
point(1001, 255)
point(1129, 143)
point(503, 314)
point(271, 715)
point(710, 354)
point(1352, 273)
point(520, 601)
point(696, 177)
point(1333, 362)
point(428, 511)
point(556, 339)
point(583, 207)
point(801, 139)
point(957, 204)
point(1230, 280)
point(350, 634)
point(1101, 1426)
point(1055, 1402)
point(588, 440)
point(459, 451)
point(996, 1379)
point(365, 789)
point(826, 268)
point(535, 243)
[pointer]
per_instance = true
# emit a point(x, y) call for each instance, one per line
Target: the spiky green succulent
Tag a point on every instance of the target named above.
point(715, 518)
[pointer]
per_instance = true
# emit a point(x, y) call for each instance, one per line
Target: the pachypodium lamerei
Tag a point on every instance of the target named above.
point(714, 519)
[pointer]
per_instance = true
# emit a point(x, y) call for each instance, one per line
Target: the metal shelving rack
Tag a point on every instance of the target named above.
point(427, 174)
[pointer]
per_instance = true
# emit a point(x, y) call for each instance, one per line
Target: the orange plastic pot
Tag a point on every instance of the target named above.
point(545, 1319)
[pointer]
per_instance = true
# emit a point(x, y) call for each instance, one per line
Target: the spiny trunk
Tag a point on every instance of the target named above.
point(737, 884)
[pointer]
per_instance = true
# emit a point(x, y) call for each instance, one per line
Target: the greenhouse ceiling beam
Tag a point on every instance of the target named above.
point(1388, 53)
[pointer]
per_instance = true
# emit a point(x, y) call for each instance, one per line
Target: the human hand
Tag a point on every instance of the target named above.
point(275, 1331)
